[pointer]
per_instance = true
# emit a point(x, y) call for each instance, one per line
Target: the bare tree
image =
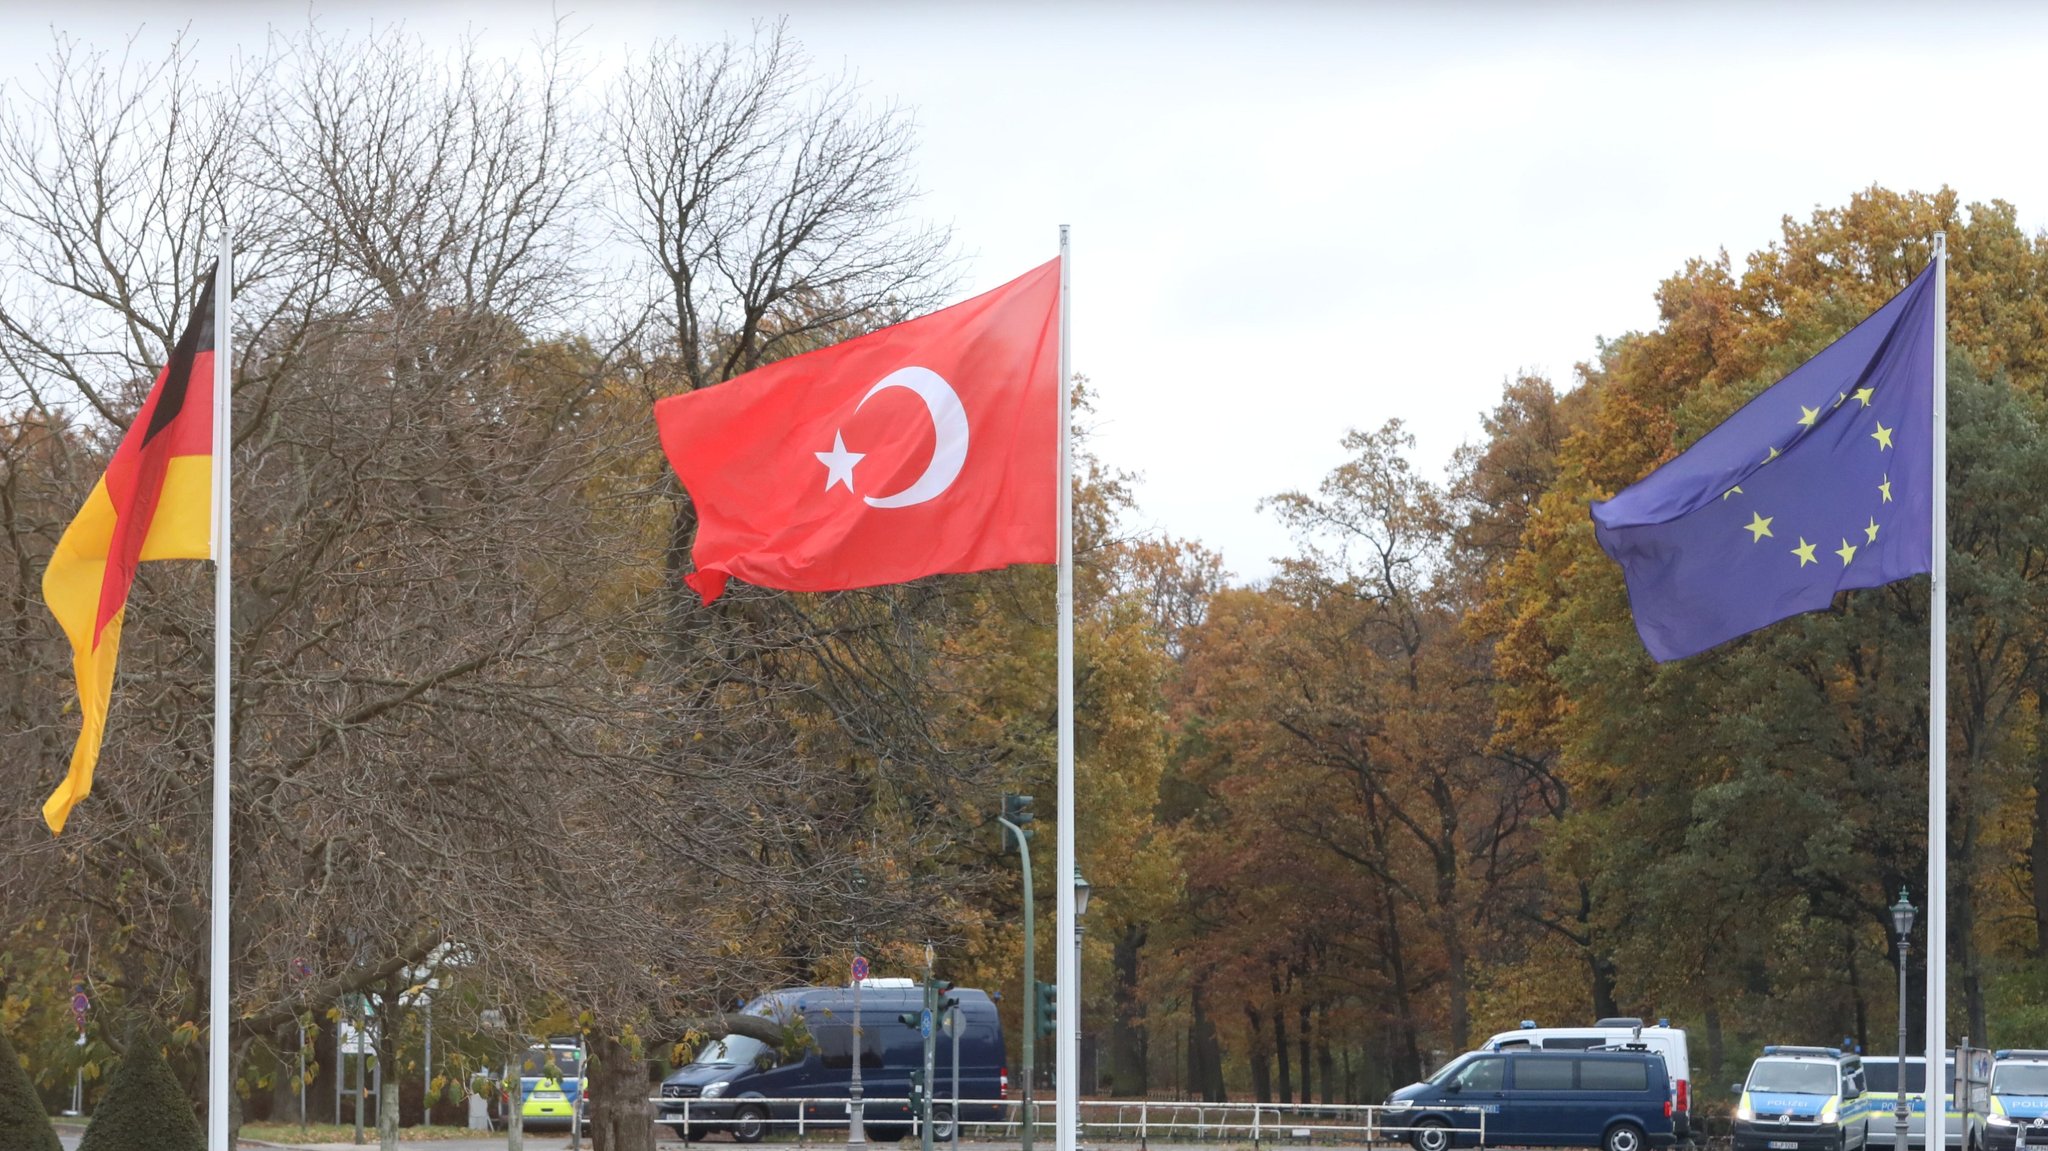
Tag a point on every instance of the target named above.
point(460, 716)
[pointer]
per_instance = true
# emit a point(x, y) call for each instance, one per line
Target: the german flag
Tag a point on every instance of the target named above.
point(155, 502)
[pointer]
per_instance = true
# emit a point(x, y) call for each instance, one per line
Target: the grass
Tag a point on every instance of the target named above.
point(346, 1132)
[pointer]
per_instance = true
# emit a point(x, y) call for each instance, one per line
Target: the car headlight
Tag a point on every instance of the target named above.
point(1831, 1113)
point(1400, 1104)
point(715, 1090)
point(1743, 1110)
point(2002, 1121)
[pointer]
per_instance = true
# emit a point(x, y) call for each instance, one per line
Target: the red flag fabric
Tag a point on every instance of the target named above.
point(929, 446)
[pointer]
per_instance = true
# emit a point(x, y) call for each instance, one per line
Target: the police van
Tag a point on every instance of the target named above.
point(1803, 1099)
point(2019, 1101)
point(1882, 1083)
point(1614, 1100)
point(1619, 1034)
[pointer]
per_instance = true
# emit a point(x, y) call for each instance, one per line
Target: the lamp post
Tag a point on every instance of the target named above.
point(1902, 926)
point(1081, 889)
point(856, 1133)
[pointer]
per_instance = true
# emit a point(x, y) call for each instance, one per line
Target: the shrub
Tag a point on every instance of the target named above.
point(23, 1124)
point(144, 1108)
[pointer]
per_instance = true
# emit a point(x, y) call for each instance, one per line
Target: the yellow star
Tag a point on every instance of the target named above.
point(1883, 435)
point(1864, 395)
point(1886, 488)
point(1731, 491)
point(1772, 456)
point(1847, 551)
point(1805, 552)
point(1840, 397)
point(1758, 526)
point(1808, 415)
point(1870, 533)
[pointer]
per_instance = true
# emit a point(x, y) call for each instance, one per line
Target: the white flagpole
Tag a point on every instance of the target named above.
point(1937, 721)
point(1067, 1059)
point(217, 1016)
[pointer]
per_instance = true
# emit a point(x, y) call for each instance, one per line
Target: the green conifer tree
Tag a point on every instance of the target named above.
point(23, 1123)
point(144, 1108)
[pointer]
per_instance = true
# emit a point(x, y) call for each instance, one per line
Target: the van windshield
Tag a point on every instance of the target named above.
point(731, 1051)
point(1785, 1077)
point(2020, 1079)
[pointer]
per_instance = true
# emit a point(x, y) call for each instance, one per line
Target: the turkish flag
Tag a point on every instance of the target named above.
point(929, 446)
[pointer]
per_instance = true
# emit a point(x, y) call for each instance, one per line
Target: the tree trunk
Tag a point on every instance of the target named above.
point(1205, 1054)
point(1302, 1047)
point(1129, 1055)
point(387, 1066)
point(1259, 1056)
point(2037, 854)
point(619, 1120)
point(1857, 999)
point(1280, 1050)
point(1716, 1053)
point(284, 1087)
point(1326, 1066)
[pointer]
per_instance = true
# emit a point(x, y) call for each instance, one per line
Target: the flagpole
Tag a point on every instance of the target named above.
point(1937, 716)
point(217, 1073)
point(1067, 1060)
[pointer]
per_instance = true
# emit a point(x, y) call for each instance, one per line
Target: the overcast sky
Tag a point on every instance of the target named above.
point(1291, 219)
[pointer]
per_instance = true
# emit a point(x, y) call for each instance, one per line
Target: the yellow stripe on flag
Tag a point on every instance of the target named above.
point(71, 588)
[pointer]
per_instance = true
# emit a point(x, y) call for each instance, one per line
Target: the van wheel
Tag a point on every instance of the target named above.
point(1623, 1137)
point(1432, 1135)
point(886, 1132)
point(749, 1123)
point(942, 1124)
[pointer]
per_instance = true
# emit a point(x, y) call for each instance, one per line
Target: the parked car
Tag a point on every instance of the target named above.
point(733, 1081)
point(1661, 1037)
point(1616, 1100)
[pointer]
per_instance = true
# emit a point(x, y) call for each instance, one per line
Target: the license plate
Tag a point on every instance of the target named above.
point(1783, 1145)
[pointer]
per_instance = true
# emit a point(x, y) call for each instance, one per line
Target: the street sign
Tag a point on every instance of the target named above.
point(79, 1005)
point(924, 1023)
point(860, 967)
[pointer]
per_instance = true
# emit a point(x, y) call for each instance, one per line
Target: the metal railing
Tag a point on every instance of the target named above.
point(1138, 1121)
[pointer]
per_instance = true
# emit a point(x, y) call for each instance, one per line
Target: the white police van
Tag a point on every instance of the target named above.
point(1662, 1038)
point(1804, 1099)
point(2019, 1102)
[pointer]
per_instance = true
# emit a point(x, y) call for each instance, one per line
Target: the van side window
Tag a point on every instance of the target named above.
point(1613, 1075)
point(1854, 1087)
point(1481, 1075)
point(835, 1042)
point(1543, 1074)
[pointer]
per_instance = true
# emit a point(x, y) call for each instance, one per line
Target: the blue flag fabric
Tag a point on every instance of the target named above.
point(1823, 482)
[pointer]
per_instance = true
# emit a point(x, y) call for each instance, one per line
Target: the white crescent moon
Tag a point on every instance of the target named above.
point(949, 434)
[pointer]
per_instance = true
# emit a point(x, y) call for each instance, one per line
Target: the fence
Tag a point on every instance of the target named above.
point(1140, 1122)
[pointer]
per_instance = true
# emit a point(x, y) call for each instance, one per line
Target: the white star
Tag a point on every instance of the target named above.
point(839, 463)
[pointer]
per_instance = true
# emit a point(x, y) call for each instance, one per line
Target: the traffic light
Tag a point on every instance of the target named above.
point(1017, 809)
point(910, 1019)
point(917, 1089)
point(943, 1002)
point(1048, 1008)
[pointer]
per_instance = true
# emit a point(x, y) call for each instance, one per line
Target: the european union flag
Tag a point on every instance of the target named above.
point(1823, 482)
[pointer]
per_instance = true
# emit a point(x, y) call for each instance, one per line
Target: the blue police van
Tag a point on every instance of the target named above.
point(1615, 1098)
point(743, 1086)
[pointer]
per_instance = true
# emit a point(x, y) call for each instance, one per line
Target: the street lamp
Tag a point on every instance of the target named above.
point(1902, 927)
point(856, 1131)
point(1081, 889)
